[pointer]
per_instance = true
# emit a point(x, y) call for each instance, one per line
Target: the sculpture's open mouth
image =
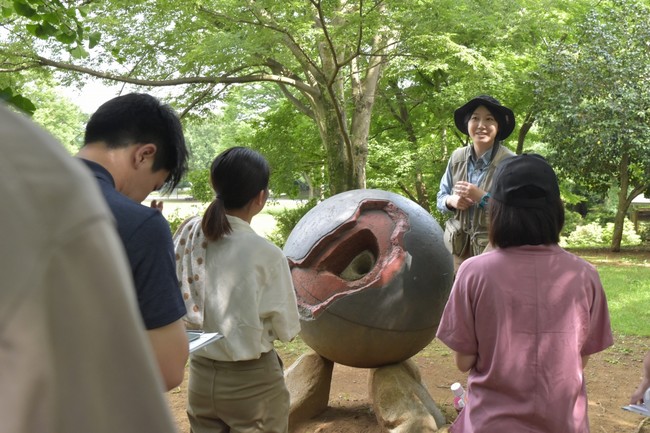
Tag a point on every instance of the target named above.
point(353, 257)
point(362, 253)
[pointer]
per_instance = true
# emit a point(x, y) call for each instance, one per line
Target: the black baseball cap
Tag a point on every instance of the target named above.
point(526, 181)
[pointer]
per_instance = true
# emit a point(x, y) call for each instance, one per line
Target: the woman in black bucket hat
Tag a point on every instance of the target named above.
point(464, 186)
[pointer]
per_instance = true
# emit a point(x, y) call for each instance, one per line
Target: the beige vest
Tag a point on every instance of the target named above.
point(476, 228)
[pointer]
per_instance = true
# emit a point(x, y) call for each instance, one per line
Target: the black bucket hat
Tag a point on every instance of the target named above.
point(504, 115)
point(525, 180)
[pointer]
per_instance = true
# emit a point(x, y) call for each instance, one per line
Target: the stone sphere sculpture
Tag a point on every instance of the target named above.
point(372, 276)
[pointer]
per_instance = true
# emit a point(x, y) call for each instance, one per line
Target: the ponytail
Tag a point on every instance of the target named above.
point(237, 175)
point(215, 225)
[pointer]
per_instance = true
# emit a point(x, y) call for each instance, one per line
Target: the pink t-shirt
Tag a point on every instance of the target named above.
point(529, 313)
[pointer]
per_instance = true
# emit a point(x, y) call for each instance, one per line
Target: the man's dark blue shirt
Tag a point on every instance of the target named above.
point(149, 247)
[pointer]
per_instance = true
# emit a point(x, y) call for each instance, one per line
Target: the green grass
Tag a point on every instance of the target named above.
point(292, 350)
point(628, 297)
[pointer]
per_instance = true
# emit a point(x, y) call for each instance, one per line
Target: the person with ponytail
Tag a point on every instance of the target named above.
point(244, 292)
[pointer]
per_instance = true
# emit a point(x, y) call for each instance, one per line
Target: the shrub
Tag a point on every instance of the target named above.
point(201, 189)
point(644, 232)
point(286, 220)
point(596, 235)
point(175, 220)
point(571, 221)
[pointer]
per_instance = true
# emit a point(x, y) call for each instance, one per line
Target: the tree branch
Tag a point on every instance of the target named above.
point(225, 79)
point(290, 42)
point(200, 97)
point(304, 109)
point(406, 191)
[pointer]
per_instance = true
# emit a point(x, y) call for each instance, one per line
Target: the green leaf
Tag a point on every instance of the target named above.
point(32, 29)
point(7, 94)
point(83, 10)
point(23, 103)
point(23, 9)
point(42, 31)
point(51, 18)
point(66, 38)
point(78, 52)
point(93, 39)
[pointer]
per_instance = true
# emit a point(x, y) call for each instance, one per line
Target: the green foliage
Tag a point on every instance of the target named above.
point(175, 220)
point(571, 221)
point(644, 232)
point(60, 117)
point(595, 118)
point(291, 350)
point(286, 220)
point(433, 62)
point(204, 138)
point(628, 296)
point(11, 97)
point(594, 234)
point(48, 26)
point(292, 146)
point(200, 187)
point(53, 20)
point(595, 121)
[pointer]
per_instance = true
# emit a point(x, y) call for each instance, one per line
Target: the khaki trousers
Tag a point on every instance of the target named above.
point(238, 397)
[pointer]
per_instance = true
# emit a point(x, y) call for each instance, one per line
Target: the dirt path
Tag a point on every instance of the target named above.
point(611, 378)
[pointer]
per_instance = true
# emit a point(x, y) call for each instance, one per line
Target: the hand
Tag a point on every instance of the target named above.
point(637, 396)
point(157, 204)
point(469, 191)
point(457, 202)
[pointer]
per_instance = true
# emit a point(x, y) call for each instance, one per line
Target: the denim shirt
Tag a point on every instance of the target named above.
point(476, 170)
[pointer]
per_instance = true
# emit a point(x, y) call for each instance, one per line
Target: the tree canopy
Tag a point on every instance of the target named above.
point(595, 88)
point(346, 94)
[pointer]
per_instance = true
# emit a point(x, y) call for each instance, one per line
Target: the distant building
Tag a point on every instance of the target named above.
point(639, 210)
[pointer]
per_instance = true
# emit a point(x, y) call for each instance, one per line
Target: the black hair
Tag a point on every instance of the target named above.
point(237, 176)
point(139, 118)
point(501, 121)
point(511, 226)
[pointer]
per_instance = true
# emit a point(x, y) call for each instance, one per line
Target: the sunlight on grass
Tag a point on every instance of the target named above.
point(290, 351)
point(628, 297)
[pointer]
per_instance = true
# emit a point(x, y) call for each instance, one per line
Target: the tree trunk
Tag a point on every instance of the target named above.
point(623, 203)
point(523, 131)
point(334, 135)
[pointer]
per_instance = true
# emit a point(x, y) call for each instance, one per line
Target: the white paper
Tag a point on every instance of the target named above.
point(637, 408)
point(204, 338)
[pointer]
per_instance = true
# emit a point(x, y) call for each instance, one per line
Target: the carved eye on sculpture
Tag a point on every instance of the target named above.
point(362, 253)
point(352, 258)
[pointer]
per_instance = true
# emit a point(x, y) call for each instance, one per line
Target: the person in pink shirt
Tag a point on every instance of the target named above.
point(524, 317)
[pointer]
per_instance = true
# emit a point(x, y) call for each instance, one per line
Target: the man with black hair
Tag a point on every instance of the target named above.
point(134, 145)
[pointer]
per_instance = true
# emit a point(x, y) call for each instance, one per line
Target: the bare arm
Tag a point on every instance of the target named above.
point(464, 362)
point(171, 349)
point(637, 396)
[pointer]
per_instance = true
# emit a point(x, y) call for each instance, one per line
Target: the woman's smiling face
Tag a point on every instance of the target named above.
point(482, 127)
